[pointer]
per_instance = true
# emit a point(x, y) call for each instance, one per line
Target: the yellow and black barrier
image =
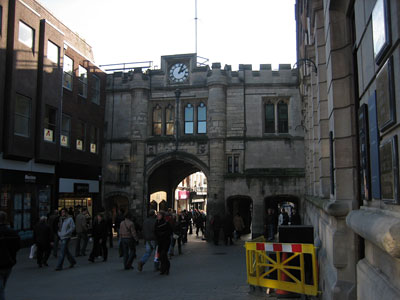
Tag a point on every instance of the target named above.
point(282, 266)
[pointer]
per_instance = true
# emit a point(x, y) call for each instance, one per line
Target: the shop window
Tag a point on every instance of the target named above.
point(157, 120)
point(96, 90)
point(53, 52)
point(269, 118)
point(233, 163)
point(201, 118)
point(189, 119)
point(83, 77)
point(26, 35)
point(283, 117)
point(80, 141)
point(22, 115)
point(123, 177)
point(68, 69)
point(94, 136)
point(169, 120)
point(50, 117)
point(22, 211)
point(65, 131)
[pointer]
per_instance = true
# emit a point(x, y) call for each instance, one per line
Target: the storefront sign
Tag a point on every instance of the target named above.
point(81, 188)
point(79, 145)
point(64, 141)
point(48, 135)
point(30, 178)
point(183, 195)
point(93, 148)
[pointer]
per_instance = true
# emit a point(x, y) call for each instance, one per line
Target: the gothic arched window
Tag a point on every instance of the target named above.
point(202, 118)
point(269, 118)
point(169, 120)
point(189, 119)
point(283, 126)
point(157, 120)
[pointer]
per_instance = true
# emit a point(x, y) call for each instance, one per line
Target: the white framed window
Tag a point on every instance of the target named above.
point(26, 34)
point(96, 90)
point(68, 69)
point(53, 52)
point(83, 77)
point(22, 115)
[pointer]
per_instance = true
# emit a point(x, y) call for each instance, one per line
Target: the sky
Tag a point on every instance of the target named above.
point(230, 32)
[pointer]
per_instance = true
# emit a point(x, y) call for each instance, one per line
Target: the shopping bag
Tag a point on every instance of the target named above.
point(32, 254)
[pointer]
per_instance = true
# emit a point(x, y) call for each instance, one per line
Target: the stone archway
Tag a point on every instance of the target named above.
point(166, 171)
point(242, 205)
point(279, 201)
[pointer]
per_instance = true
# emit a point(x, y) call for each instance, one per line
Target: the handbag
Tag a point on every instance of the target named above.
point(32, 254)
point(175, 236)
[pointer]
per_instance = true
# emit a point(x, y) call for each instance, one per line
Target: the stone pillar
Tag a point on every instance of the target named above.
point(216, 119)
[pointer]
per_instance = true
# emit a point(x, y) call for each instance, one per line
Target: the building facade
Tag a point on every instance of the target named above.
point(51, 112)
point(242, 129)
point(348, 58)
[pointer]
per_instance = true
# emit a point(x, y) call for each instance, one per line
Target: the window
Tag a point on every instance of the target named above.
point(157, 120)
point(283, 117)
point(83, 82)
point(94, 136)
point(1, 18)
point(269, 118)
point(96, 90)
point(169, 120)
point(68, 72)
point(49, 123)
point(53, 52)
point(123, 177)
point(22, 115)
point(80, 141)
point(65, 131)
point(22, 211)
point(26, 35)
point(189, 119)
point(201, 118)
point(233, 163)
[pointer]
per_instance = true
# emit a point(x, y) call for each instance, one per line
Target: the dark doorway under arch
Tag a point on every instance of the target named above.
point(277, 202)
point(242, 205)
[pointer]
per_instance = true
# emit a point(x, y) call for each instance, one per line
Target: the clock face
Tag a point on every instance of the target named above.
point(178, 73)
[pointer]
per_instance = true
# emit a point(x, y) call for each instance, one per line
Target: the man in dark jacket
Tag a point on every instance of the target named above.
point(43, 239)
point(99, 238)
point(149, 237)
point(9, 245)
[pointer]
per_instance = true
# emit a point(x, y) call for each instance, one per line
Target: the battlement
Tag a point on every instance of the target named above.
point(204, 76)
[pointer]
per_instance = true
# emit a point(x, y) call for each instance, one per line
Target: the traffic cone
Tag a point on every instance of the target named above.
point(283, 277)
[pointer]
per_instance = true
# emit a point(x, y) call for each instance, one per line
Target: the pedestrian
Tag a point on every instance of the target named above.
point(190, 221)
point(99, 238)
point(43, 239)
point(129, 239)
point(109, 223)
point(228, 229)
point(295, 218)
point(53, 223)
point(118, 219)
point(9, 246)
point(199, 221)
point(216, 224)
point(163, 233)
point(149, 237)
point(283, 218)
point(184, 225)
point(269, 224)
point(66, 227)
point(81, 232)
point(177, 234)
point(239, 225)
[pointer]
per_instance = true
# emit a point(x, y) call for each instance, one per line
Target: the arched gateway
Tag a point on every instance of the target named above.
point(242, 129)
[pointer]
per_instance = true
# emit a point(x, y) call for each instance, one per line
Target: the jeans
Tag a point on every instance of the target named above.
point(65, 252)
point(150, 246)
point(78, 249)
point(4, 274)
point(129, 250)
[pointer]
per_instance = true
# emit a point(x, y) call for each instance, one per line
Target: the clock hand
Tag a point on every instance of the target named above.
point(181, 69)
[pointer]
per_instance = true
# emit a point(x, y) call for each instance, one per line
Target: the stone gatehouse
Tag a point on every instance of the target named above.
point(242, 129)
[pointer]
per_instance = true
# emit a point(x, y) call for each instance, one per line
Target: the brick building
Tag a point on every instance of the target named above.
point(51, 112)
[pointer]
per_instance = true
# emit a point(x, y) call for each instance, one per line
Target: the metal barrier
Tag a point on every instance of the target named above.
point(283, 266)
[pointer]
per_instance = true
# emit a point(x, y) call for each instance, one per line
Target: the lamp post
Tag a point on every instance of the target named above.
point(177, 97)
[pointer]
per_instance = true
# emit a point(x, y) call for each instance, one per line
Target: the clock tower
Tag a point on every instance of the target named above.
point(177, 68)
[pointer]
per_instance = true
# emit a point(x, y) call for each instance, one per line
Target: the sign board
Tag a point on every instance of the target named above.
point(93, 148)
point(79, 145)
point(48, 135)
point(64, 141)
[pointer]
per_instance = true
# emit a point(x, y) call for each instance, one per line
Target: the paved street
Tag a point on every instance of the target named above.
point(204, 271)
